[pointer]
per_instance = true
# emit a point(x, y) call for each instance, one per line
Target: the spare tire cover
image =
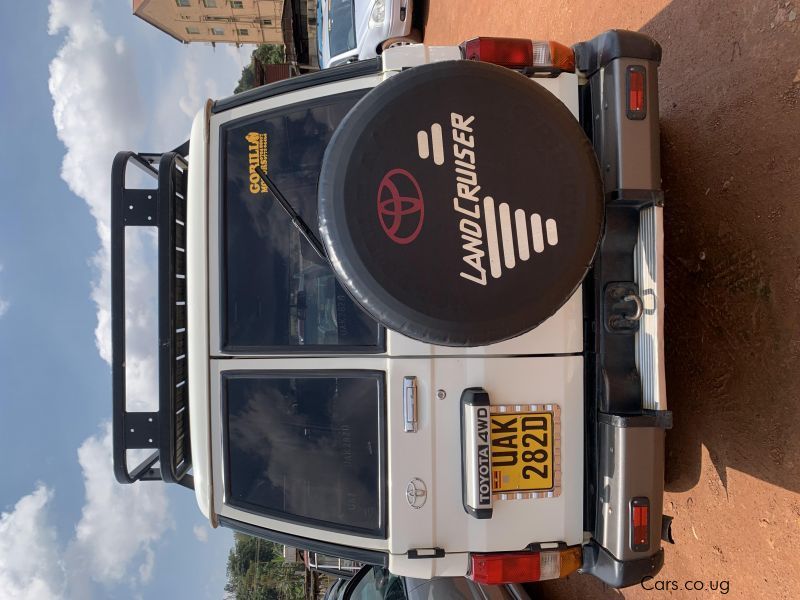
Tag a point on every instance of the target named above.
point(460, 203)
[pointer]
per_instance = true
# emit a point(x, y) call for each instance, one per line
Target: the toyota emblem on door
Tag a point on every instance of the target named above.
point(400, 206)
point(416, 493)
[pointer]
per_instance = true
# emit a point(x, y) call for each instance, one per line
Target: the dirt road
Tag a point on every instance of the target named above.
point(730, 122)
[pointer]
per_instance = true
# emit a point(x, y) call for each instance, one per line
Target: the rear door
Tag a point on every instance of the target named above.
point(539, 374)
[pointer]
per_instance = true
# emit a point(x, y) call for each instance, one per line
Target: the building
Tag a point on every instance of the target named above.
point(229, 21)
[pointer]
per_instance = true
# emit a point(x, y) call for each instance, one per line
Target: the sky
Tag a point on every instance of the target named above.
point(79, 81)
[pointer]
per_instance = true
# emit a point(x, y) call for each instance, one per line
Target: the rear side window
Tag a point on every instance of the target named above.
point(308, 448)
point(277, 294)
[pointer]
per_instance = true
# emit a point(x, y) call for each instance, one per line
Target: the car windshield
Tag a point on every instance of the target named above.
point(277, 292)
point(307, 447)
point(341, 26)
point(377, 583)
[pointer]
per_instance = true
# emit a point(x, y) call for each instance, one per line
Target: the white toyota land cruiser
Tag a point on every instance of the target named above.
point(411, 311)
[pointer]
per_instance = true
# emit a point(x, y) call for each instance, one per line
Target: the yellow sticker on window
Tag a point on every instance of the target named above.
point(257, 157)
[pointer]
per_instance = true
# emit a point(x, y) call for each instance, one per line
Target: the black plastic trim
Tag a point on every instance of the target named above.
point(598, 52)
point(598, 561)
point(618, 384)
point(349, 71)
point(380, 376)
point(370, 557)
point(590, 445)
point(635, 198)
point(661, 419)
point(666, 529)
point(414, 553)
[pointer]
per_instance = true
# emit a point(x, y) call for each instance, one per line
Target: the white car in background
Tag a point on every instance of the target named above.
point(350, 30)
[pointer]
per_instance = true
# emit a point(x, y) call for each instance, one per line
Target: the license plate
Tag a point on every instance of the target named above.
point(525, 448)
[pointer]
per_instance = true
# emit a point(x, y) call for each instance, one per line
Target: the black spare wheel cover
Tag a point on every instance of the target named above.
point(460, 203)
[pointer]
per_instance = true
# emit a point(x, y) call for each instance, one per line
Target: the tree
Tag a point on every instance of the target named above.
point(246, 81)
point(265, 54)
point(269, 54)
point(256, 571)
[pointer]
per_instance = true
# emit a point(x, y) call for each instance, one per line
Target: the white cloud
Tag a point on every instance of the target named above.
point(200, 74)
point(97, 111)
point(30, 564)
point(197, 90)
point(201, 533)
point(119, 527)
point(120, 524)
point(4, 304)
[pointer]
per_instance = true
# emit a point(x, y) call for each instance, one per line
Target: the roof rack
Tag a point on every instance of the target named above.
point(166, 431)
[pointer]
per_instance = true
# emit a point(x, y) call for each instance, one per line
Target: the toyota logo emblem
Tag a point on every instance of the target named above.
point(400, 206)
point(416, 493)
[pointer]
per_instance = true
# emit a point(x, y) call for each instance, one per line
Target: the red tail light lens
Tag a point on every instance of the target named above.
point(493, 569)
point(522, 567)
point(637, 94)
point(516, 53)
point(640, 524)
point(507, 52)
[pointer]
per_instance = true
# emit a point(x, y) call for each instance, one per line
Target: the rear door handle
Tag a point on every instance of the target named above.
point(410, 404)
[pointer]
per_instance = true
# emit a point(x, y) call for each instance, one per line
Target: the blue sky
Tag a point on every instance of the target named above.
point(85, 78)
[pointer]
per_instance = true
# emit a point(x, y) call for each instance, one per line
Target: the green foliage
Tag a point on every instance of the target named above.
point(246, 81)
point(269, 54)
point(256, 571)
point(266, 54)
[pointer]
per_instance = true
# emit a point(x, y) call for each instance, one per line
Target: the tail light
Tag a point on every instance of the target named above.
point(515, 53)
point(637, 92)
point(522, 567)
point(640, 524)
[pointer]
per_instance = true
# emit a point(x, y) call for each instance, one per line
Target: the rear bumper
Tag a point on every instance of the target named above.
point(617, 573)
point(626, 410)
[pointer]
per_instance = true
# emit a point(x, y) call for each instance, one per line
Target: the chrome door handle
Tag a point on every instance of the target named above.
point(410, 404)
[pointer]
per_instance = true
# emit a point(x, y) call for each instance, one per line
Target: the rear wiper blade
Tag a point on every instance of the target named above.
point(297, 220)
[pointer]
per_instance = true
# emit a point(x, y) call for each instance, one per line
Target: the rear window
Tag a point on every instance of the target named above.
point(277, 294)
point(308, 448)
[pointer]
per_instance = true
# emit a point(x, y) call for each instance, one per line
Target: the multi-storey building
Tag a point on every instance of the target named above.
point(229, 21)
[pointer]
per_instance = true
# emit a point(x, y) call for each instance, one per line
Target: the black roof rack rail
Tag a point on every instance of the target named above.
point(165, 431)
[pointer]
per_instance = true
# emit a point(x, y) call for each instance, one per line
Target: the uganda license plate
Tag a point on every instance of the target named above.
point(525, 449)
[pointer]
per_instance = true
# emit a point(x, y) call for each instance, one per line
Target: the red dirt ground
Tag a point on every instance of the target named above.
point(730, 85)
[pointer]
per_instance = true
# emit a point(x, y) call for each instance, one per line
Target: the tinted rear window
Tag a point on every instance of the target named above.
point(308, 448)
point(277, 293)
